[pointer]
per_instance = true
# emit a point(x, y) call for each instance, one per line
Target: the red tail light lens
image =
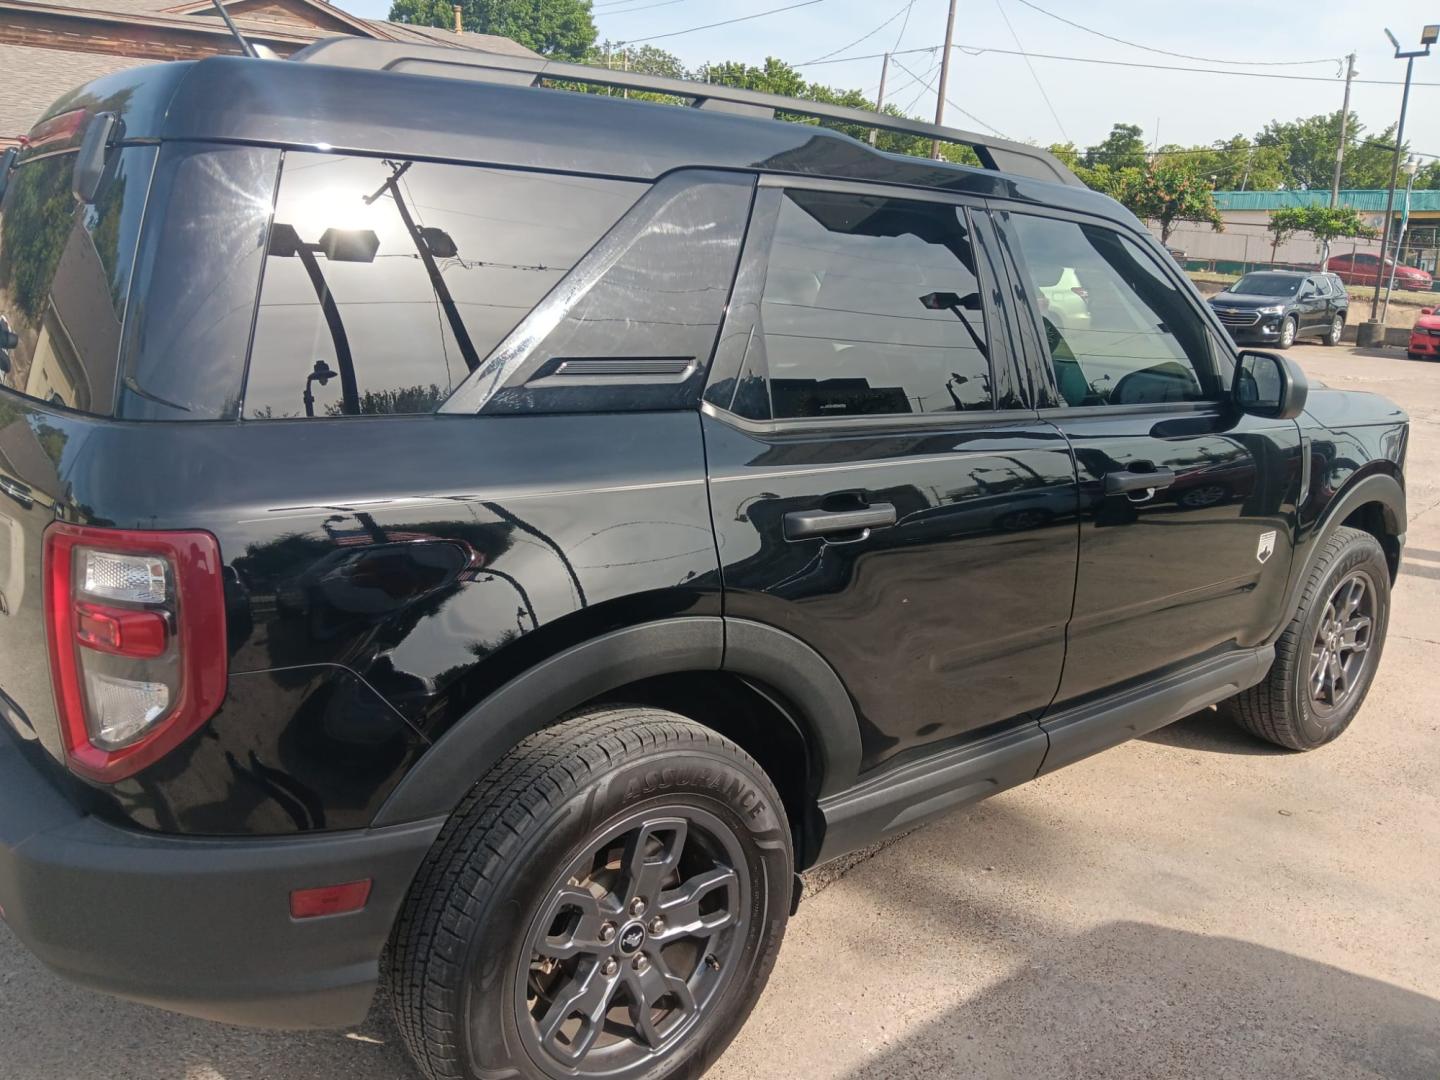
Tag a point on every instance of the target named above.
point(136, 628)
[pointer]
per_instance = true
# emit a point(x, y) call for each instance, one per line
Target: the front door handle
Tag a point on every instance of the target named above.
point(803, 524)
point(1122, 483)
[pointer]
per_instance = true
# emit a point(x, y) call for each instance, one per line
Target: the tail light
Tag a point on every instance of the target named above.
point(1082, 292)
point(136, 627)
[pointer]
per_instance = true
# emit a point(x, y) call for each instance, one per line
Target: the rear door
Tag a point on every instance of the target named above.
point(1187, 508)
point(880, 486)
point(1314, 305)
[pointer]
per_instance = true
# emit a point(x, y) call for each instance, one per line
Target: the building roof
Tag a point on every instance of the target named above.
point(1365, 200)
point(52, 46)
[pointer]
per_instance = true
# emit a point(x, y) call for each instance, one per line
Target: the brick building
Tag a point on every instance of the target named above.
point(47, 49)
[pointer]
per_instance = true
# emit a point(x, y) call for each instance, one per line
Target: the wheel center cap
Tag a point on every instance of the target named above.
point(632, 938)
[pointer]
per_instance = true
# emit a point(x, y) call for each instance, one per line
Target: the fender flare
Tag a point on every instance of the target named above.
point(534, 699)
point(1379, 488)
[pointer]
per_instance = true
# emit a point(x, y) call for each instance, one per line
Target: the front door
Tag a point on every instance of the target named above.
point(879, 487)
point(1187, 506)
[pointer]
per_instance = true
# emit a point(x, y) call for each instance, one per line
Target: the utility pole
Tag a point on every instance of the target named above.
point(944, 79)
point(1344, 119)
point(880, 97)
point(1430, 34)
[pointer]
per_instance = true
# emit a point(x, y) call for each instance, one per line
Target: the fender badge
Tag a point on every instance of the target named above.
point(1266, 547)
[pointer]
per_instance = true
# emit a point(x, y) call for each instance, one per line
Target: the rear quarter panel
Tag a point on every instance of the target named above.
point(382, 574)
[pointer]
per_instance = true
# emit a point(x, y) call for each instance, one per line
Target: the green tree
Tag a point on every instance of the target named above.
point(1234, 164)
point(1321, 222)
point(1123, 148)
point(1169, 193)
point(1309, 145)
point(560, 28)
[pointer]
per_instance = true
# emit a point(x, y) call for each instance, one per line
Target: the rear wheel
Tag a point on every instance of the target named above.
point(1326, 658)
point(608, 902)
point(1287, 333)
point(1337, 327)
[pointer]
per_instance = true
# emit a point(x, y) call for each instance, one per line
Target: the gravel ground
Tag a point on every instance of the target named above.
point(1195, 904)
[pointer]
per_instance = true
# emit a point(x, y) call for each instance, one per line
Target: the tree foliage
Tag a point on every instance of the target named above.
point(1321, 222)
point(1123, 148)
point(559, 28)
point(1168, 193)
point(1309, 145)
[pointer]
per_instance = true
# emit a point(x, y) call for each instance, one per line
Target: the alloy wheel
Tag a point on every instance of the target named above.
point(1342, 644)
point(633, 944)
point(1337, 327)
point(1287, 333)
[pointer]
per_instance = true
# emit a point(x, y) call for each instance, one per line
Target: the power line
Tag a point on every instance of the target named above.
point(643, 7)
point(1182, 56)
point(903, 26)
point(1038, 84)
point(931, 87)
point(976, 50)
point(903, 10)
point(724, 22)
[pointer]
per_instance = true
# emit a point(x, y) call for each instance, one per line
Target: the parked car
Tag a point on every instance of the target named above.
point(1063, 299)
point(1274, 307)
point(1362, 269)
point(1425, 336)
point(486, 540)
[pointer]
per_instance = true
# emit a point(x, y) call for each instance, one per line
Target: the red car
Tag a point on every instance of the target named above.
point(1360, 269)
point(1425, 336)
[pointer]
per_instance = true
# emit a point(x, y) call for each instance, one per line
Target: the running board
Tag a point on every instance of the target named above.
point(901, 797)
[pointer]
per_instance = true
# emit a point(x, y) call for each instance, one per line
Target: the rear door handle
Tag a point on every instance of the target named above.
point(806, 523)
point(1118, 483)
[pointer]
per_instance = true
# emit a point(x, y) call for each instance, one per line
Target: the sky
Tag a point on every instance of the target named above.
point(1003, 93)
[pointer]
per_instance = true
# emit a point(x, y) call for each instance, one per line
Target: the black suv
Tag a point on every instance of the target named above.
point(487, 538)
point(1274, 307)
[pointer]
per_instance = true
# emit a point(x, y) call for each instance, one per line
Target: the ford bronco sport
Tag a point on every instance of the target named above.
point(486, 539)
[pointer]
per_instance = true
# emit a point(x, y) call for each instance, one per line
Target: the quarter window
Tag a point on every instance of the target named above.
point(872, 305)
point(387, 282)
point(1118, 331)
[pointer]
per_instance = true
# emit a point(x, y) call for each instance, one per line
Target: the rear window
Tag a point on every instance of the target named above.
point(65, 277)
point(386, 282)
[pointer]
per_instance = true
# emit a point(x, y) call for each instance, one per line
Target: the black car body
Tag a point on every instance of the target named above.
point(1274, 307)
point(397, 416)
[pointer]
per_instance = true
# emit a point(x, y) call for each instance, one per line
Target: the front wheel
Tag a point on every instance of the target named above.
point(1287, 333)
point(1337, 327)
point(608, 902)
point(1326, 658)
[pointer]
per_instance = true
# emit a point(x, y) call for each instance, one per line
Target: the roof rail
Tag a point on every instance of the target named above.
point(999, 155)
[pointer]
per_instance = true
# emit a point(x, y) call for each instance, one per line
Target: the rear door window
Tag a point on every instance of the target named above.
point(387, 282)
point(65, 277)
point(872, 305)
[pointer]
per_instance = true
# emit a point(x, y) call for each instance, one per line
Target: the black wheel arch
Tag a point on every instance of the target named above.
point(1374, 502)
point(793, 680)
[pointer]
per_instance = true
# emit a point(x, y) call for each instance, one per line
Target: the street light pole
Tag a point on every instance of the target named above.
point(1373, 333)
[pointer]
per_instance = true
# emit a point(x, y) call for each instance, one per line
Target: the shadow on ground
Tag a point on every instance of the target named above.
point(1210, 731)
point(1132, 1000)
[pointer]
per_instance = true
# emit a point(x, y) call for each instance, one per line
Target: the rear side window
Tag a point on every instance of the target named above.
point(387, 282)
point(65, 277)
point(872, 305)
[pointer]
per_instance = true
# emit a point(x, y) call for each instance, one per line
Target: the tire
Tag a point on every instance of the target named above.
point(637, 804)
point(1288, 330)
point(1285, 708)
point(1337, 327)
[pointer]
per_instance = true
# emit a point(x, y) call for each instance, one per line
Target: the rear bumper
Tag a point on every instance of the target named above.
point(198, 926)
point(1424, 345)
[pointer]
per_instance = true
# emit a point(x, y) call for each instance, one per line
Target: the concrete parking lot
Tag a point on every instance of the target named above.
point(1194, 904)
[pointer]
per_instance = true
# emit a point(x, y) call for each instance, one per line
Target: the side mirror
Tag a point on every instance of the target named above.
point(1270, 385)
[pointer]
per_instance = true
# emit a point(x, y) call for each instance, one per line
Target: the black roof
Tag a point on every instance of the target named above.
point(370, 110)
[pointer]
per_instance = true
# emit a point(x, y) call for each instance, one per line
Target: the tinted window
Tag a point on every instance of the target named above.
point(65, 277)
point(872, 305)
point(387, 282)
point(1135, 339)
point(635, 324)
point(200, 267)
